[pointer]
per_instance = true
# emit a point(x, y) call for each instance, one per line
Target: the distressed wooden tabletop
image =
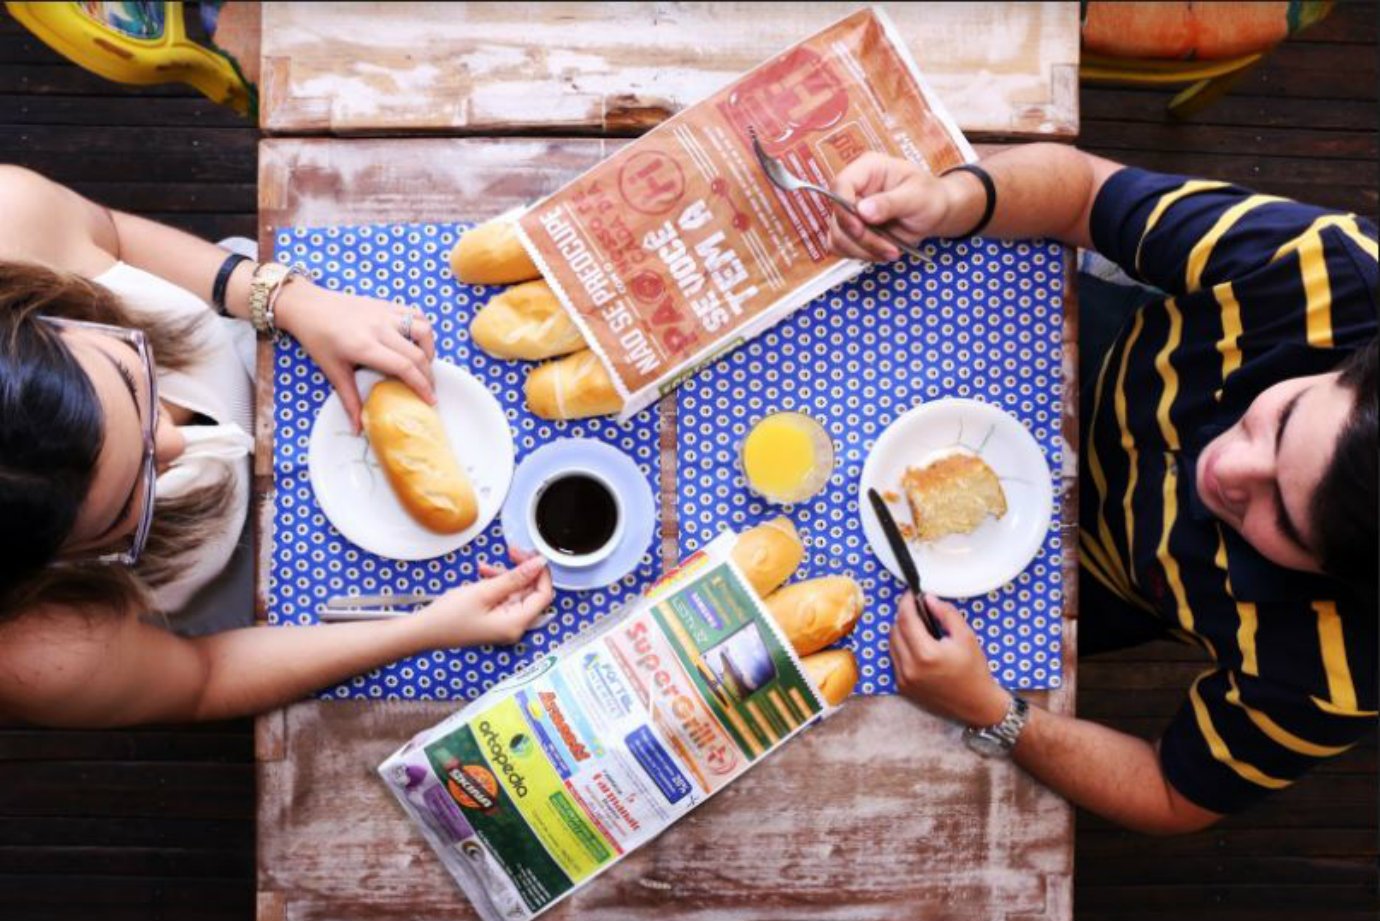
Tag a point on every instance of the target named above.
point(879, 813)
point(1004, 69)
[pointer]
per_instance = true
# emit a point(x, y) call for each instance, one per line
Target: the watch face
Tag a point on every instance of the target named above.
point(986, 745)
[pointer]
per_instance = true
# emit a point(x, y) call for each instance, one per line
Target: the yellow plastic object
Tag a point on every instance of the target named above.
point(142, 43)
point(1210, 80)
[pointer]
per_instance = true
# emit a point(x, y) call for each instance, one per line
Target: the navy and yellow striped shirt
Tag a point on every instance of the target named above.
point(1260, 290)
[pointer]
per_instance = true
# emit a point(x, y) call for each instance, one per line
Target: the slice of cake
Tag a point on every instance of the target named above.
point(952, 496)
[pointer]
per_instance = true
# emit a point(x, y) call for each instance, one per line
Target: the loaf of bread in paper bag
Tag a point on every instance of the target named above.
point(573, 387)
point(526, 322)
point(768, 554)
point(816, 612)
point(492, 254)
point(834, 672)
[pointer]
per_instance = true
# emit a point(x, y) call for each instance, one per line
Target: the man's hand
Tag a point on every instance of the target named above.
point(888, 191)
point(946, 676)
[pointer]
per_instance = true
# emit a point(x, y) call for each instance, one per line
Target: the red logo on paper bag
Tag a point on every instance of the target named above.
point(648, 287)
point(651, 182)
point(795, 94)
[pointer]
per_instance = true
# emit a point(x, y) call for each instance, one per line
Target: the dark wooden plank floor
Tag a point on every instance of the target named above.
point(158, 823)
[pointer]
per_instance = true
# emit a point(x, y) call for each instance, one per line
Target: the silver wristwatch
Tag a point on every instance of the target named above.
point(998, 740)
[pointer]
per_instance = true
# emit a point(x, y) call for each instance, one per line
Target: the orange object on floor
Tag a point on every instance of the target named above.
point(1207, 45)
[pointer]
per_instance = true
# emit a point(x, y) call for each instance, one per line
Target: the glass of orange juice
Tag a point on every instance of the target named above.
point(787, 457)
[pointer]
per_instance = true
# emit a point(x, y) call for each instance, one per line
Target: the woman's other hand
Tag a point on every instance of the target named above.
point(495, 610)
point(342, 332)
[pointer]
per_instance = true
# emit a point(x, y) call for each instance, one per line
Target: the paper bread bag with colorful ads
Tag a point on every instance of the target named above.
point(553, 775)
point(677, 248)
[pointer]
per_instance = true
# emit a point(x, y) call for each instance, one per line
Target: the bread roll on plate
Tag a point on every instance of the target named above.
point(573, 387)
point(411, 445)
point(834, 672)
point(492, 254)
point(526, 321)
point(816, 612)
point(768, 554)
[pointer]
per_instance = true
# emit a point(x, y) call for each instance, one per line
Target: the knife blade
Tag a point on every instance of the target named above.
point(901, 551)
point(346, 602)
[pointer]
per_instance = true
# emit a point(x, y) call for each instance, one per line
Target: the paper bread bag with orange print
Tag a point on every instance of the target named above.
point(677, 248)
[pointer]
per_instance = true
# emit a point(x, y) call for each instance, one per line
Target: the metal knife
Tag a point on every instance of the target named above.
point(347, 602)
point(901, 551)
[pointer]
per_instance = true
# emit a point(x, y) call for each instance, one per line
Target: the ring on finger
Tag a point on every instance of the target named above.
point(406, 327)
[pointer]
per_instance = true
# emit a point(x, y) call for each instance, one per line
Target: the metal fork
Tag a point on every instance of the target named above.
point(787, 181)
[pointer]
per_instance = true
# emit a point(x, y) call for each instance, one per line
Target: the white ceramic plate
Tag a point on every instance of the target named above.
point(354, 492)
point(963, 565)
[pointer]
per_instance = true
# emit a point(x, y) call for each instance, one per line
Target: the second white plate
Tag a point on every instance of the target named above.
point(963, 565)
point(354, 491)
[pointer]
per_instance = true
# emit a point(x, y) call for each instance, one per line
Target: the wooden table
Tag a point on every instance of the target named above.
point(1005, 70)
point(880, 813)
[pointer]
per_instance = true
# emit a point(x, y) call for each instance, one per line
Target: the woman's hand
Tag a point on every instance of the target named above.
point(887, 190)
point(498, 609)
point(946, 676)
point(341, 332)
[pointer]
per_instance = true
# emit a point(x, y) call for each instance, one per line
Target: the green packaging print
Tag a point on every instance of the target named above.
point(470, 780)
point(736, 660)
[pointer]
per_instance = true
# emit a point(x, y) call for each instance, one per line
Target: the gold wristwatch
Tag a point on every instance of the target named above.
point(264, 288)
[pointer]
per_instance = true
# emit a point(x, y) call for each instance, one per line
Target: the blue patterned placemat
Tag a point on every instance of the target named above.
point(987, 325)
point(312, 561)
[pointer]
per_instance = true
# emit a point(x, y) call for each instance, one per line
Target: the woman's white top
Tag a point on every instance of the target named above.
point(219, 386)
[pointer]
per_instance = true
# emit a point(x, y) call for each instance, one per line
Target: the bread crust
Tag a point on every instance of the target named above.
point(492, 254)
point(768, 554)
point(526, 322)
point(574, 387)
point(817, 612)
point(411, 445)
point(834, 672)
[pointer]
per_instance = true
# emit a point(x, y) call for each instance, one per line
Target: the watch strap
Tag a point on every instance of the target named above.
point(1006, 732)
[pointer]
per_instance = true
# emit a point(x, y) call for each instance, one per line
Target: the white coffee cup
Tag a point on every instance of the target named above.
point(560, 557)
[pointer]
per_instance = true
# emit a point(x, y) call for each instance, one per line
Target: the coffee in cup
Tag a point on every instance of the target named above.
point(576, 518)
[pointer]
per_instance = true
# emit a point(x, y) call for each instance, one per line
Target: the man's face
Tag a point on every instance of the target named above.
point(1259, 476)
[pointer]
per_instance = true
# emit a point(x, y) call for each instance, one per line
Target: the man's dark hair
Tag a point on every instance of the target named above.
point(1344, 508)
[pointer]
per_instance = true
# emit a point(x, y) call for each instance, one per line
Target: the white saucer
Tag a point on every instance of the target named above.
point(354, 491)
point(576, 454)
point(963, 565)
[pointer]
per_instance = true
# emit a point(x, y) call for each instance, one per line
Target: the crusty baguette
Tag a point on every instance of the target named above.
point(411, 446)
point(768, 554)
point(834, 672)
point(492, 254)
point(952, 496)
point(526, 321)
point(816, 612)
point(573, 387)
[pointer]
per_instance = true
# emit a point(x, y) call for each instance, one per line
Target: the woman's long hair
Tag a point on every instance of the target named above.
point(52, 426)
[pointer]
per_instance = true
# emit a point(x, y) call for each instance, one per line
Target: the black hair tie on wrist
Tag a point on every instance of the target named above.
point(227, 268)
point(987, 184)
